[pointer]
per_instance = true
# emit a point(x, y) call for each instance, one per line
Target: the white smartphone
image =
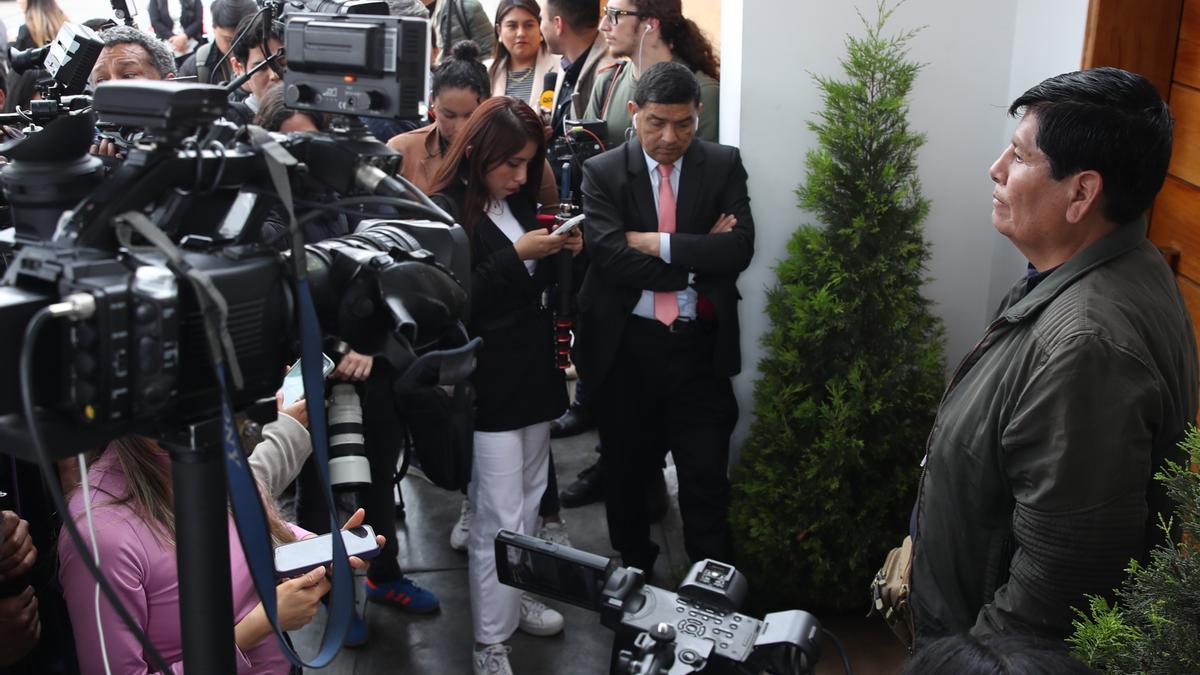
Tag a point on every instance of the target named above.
point(293, 382)
point(569, 226)
point(299, 557)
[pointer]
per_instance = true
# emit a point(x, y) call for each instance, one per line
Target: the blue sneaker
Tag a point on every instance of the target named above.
point(356, 635)
point(403, 594)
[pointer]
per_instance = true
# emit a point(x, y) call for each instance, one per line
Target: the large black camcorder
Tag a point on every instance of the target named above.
point(676, 632)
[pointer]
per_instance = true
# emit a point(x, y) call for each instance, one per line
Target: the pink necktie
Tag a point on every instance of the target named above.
point(666, 303)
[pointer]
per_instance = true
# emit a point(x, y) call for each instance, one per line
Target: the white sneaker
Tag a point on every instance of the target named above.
point(538, 619)
point(462, 529)
point(555, 533)
point(492, 660)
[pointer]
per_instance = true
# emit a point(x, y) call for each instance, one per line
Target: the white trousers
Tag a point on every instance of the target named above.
point(508, 477)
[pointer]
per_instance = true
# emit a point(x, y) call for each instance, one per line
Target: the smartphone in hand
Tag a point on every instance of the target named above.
point(293, 382)
point(292, 560)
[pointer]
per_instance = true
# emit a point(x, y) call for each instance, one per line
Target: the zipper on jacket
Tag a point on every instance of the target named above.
point(954, 380)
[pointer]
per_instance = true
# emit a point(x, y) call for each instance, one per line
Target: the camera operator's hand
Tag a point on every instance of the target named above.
point(354, 367)
point(17, 552)
point(643, 242)
point(297, 411)
point(574, 241)
point(724, 224)
point(537, 244)
point(20, 626)
point(179, 42)
point(106, 148)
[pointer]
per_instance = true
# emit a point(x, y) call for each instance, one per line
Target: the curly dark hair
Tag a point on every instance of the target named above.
point(462, 70)
point(683, 36)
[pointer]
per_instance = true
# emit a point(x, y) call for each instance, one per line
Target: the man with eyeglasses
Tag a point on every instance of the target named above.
point(647, 32)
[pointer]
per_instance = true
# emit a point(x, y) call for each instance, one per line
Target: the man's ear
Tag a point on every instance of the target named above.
point(170, 76)
point(237, 66)
point(632, 108)
point(1086, 190)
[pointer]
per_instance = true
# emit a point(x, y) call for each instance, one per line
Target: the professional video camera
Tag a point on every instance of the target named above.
point(677, 633)
point(134, 299)
point(68, 61)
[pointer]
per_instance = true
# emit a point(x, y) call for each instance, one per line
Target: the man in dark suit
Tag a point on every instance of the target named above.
point(658, 331)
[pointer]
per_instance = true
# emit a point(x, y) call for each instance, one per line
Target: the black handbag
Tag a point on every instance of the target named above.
point(436, 400)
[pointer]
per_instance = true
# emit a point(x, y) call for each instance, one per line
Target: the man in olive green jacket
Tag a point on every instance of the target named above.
point(1038, 484)
point(455, 20)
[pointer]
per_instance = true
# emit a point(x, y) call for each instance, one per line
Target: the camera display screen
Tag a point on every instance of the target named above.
point(554, 571)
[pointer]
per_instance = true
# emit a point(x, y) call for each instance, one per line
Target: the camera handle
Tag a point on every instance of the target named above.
point(656, 652)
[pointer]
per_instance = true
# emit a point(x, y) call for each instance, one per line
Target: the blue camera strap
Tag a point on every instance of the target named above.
point(244, 495)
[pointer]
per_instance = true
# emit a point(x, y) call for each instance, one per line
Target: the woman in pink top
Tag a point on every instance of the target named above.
point(131, 499)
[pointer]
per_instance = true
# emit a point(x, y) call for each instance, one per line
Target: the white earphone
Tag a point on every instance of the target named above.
point(648, 29)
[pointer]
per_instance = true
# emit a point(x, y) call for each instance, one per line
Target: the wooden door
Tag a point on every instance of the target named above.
point(1160, 39)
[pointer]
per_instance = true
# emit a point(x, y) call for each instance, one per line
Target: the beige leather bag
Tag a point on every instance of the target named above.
point(889, 593)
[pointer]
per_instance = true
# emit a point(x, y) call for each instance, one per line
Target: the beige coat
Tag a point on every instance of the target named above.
point(546, 63)
point(422, 158)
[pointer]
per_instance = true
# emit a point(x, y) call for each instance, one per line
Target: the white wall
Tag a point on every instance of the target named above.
point(977, 52)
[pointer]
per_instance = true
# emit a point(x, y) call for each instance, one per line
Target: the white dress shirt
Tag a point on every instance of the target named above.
point(502, 216)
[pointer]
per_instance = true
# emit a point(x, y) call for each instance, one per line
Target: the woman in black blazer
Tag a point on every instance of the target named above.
point(490, 183)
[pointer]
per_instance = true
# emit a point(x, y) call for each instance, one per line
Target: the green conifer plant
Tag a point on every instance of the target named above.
point(1154, 624)
point(854, 368)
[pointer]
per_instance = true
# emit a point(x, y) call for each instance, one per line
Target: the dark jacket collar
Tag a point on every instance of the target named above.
point(1120, 241)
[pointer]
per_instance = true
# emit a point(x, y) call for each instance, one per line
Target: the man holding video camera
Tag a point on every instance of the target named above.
point(129, 54)
point(669, 229)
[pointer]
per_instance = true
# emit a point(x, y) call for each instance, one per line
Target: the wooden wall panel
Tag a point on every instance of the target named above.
point(1187, 60)
point(1140, 36)
point(1191, 296)
point(1185, 155)
point(1176, 224)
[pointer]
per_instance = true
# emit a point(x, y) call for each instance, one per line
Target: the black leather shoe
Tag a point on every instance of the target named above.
point(587, 489)
point(576, 420)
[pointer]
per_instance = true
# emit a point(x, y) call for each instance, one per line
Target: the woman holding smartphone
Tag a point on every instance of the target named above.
point(132, 505)
point(489, 182)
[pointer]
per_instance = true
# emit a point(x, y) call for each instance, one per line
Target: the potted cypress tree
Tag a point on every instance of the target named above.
point(854, 366)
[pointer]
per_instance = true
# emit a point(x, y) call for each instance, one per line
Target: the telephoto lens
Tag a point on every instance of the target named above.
point(349, 468)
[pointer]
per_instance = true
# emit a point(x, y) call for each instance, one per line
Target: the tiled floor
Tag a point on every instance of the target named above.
point(442, 643)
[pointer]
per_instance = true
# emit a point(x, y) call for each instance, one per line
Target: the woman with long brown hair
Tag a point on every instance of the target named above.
point(520, 58)
point(490, 182)
point(133, 531)
point(43, 18)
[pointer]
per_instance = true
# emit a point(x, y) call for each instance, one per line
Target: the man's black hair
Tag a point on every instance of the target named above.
point(462, 70)
point(1107, 120)
point(254, 23)
point(667, 82)
point(229, 13)
point(580, 15)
